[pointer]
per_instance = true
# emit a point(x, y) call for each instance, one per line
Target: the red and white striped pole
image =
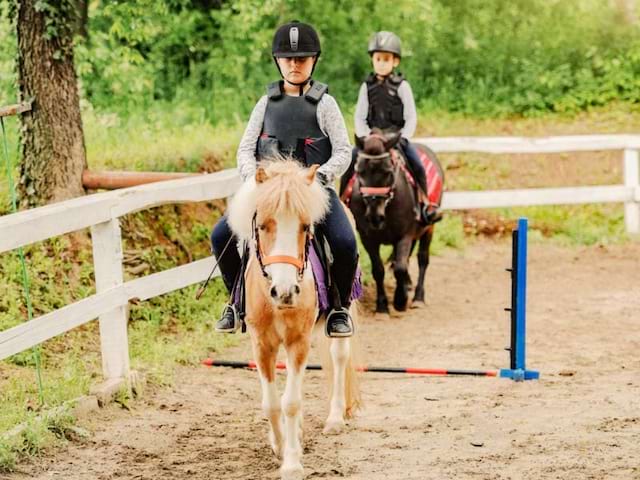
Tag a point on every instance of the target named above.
point(364, 368)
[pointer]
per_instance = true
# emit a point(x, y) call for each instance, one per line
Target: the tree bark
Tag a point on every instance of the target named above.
point(53, 152)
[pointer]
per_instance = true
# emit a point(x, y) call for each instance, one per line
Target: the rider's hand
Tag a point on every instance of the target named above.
point(322, 178)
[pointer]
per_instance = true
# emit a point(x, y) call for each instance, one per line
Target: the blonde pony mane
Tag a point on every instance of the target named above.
point(285, 190)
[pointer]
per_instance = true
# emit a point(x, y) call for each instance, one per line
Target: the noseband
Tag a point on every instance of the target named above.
point(387, 193)
point(264, 261)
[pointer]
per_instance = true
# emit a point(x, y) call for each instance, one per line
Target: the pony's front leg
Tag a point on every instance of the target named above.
point(340, 352)
point(265, 356)
point(401, 271)
point(423, 263)
point(297, 353)
point(377, 268)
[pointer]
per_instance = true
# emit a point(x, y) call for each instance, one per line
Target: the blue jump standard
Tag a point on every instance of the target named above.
point(517, 370)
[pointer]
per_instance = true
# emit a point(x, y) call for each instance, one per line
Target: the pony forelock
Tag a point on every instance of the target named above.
point(285, 191)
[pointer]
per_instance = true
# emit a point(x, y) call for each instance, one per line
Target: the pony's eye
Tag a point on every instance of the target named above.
point(262, 227)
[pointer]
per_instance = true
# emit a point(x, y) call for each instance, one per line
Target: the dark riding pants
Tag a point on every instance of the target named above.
point(335, 227)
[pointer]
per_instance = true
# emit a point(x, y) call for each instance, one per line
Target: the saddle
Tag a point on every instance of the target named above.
point(320, 259)
point(435, 180)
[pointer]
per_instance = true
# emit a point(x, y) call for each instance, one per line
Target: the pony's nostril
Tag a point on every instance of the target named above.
point(273, 292)
point(296, 289)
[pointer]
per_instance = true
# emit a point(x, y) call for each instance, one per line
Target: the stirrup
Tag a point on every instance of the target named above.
point(224, 328)
point(349, 323)
point(430, 216)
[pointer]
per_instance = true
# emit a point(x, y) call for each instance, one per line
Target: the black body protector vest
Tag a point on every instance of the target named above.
point(290, 126)
point(386, 109)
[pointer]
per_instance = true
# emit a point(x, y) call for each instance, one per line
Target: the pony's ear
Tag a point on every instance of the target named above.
point(310, 173)
point(359, 142)
point(391, 138)
point(261, 175)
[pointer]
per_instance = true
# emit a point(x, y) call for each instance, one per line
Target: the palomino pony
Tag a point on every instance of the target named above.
point(383, 202)
point(276, 215)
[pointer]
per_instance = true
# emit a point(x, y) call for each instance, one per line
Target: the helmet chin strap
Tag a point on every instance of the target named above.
point(302, 84)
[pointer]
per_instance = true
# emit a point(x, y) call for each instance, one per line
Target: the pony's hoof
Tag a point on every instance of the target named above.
point(400, 306)
point(382, 307)
point(400, 300)
point(418, 304)
point(292, 472)
point(275, 446)
point(333, 427)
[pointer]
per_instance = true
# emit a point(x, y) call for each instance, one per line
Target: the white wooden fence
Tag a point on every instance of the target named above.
point(101, 213)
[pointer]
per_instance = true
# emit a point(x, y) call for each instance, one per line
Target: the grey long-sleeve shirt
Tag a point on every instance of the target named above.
point(330, 121)
point(410, 116)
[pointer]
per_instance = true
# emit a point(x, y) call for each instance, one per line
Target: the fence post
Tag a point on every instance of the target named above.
point(632, 179)
point(107, 261)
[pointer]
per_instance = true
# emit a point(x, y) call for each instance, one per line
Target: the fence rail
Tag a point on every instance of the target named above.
point(101, 212)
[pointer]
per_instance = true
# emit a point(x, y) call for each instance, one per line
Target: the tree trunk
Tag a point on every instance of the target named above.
point(53, 153)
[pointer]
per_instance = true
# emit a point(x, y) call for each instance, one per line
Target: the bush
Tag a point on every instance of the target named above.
point(474, 56)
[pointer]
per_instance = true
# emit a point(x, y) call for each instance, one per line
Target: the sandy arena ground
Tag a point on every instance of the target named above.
point(580, 421)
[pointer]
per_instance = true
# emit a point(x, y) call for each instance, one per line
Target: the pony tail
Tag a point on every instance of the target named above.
point(352, 378)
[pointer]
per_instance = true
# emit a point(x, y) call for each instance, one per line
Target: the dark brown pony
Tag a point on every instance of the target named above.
point(384, 204)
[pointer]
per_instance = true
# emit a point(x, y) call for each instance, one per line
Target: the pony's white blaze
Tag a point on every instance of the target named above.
point(284, 276)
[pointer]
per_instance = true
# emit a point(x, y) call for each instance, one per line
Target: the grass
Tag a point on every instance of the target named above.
point(169, 330)
point(174, 329)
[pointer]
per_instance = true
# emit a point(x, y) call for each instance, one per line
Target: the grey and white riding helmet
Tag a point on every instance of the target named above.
point(385, 42)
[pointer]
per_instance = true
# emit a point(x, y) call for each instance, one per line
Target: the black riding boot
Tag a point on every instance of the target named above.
point(339, 323)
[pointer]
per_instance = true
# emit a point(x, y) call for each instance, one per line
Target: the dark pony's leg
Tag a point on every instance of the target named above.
point(401, 271)
point(423, 263)
point(377, 268)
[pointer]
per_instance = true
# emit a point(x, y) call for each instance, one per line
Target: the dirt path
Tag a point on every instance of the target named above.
point(580, 421)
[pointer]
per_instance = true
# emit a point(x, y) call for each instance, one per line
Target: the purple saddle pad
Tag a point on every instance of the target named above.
point(321, 282)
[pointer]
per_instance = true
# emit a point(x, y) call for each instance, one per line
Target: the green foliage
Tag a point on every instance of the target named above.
point(165, 137)
point(164, 331)
point(8, 49)
point(7, 457)
point(37, 432)
point(481, 57)
point(449, 233)
point(576, 225)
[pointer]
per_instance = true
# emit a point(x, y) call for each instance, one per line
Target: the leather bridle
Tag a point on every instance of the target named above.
point(264, 261)
point(386, 192)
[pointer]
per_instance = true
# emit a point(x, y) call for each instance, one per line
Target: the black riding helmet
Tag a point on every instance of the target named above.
point(296, 39)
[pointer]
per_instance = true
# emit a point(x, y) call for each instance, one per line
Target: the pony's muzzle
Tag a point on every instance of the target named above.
point(376, 220)
point(284, 297)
